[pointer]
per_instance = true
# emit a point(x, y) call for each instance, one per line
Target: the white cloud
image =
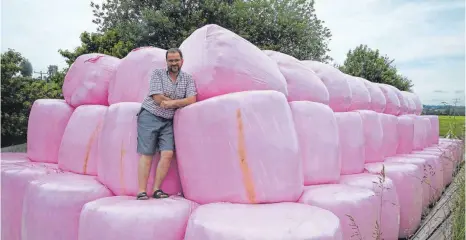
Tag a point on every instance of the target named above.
point(420, 35)
point(38, 29)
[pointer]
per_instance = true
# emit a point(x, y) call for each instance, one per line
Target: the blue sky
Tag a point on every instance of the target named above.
point(426, 38)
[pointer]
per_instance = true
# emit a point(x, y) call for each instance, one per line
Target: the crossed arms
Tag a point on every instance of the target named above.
point(166, 102)
point(156, 92)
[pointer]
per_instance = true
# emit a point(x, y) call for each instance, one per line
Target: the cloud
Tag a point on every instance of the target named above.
point(439, 91)
point(426, 39)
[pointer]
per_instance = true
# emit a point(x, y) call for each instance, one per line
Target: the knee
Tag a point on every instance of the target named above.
point(146, 160)
point(166, 156)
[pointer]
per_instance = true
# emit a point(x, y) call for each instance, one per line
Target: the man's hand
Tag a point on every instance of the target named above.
point(168, 104)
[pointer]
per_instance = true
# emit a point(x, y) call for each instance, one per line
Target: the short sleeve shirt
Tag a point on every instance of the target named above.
point(161, 83)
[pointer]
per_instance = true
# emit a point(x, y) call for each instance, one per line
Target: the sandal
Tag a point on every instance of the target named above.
point(142, 196)
point(159, 194)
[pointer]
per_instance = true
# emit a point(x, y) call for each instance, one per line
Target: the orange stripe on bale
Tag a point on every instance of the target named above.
point(89, 145)
point(247, 176)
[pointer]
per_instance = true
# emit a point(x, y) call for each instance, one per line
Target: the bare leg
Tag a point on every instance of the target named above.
point(162, 168)
point(143, 171)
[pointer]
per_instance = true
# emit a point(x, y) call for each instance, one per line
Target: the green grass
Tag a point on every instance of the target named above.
point(455, 124)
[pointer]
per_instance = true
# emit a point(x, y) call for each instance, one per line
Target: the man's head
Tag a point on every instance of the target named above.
point(174, 58)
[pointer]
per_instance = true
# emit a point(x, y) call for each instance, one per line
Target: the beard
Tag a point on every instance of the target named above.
point(174, 69)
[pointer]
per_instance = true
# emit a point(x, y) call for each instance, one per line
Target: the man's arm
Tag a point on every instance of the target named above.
point(155, 88)
point(191, 93)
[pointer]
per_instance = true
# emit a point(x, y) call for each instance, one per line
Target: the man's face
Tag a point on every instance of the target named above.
point(174, 62)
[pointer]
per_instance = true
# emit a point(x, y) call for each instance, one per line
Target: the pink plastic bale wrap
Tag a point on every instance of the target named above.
point(405, 177)
point(409, 101)
point(434, 169)
point(352, 143)
point(417, 102)
point(319, 144)
point(148, 220)
point(390, 134)
point(446, 159)
point(222, 62)
point(426, 178)
point(78, 151)
point(419, 132)
point(8, 158)
point(47, 122)
point(428, 131)
point(373, 136)
point(336, 83)
point(291, 221)
point(385, 191)
point(118, 165)
point(250, 147)
point(435, 128)
point(393, 106)
point(15, 179)
point(303, 84)
point(378, 101)
point(352, 205)
point(61, 199)
point(405, 129)
point(131, 83)
point(404, 105)
point(360, 96)
point(88, 78)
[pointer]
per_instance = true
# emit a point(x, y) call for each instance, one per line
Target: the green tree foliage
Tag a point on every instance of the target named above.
point(18, 94)
point(370, 64)
point(26, 68)
point(288, 26)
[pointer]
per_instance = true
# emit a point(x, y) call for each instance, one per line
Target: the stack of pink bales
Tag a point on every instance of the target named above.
point(275, 148)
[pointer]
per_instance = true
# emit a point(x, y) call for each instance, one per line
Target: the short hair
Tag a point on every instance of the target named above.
point(174, 50)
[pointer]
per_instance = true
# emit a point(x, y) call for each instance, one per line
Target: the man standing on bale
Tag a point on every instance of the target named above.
point(169, 89)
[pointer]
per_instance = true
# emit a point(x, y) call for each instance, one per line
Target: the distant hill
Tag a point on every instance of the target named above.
point(443, 110)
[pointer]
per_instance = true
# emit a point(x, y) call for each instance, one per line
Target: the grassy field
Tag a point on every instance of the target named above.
point(455, 124)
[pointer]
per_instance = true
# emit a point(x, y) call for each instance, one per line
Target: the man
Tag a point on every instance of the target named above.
point(169, 89)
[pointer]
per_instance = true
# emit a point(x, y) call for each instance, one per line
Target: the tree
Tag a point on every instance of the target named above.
point(18, 93)
point(370, 64)
point(288, 26)
point(26, 68)
point(51, 70)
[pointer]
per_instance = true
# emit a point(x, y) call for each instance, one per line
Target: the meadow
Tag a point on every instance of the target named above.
point(452, 124)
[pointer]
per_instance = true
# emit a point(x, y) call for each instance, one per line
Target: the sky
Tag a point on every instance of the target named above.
point(425, 37)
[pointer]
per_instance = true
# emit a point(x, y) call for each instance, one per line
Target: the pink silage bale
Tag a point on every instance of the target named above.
point(319, 144)
point(434, 170)
point(420, 133)
point(117, 167)
point(403, 103)
point(338, 88)
point(52, 205)
point(385, 191)
point(373, 136)
point(8, 158)
point(88, 78)
point(390, 134)
point(410, 102)
point(352, 142)
point(352, 205)
point(47, 122)
point(159, 219)
point(435, 129)
point(393, 103)
point(131, 83)
point(446, 158)
point(15, 179)
point(426, 178)
point(405, 129)
point(246, 141)
point(428, 129)
point(225, 221)
point(78, 151)
point(405, 177)
point(303, 84)
point(378, 101)
point(223, 62)
point(360, 96)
